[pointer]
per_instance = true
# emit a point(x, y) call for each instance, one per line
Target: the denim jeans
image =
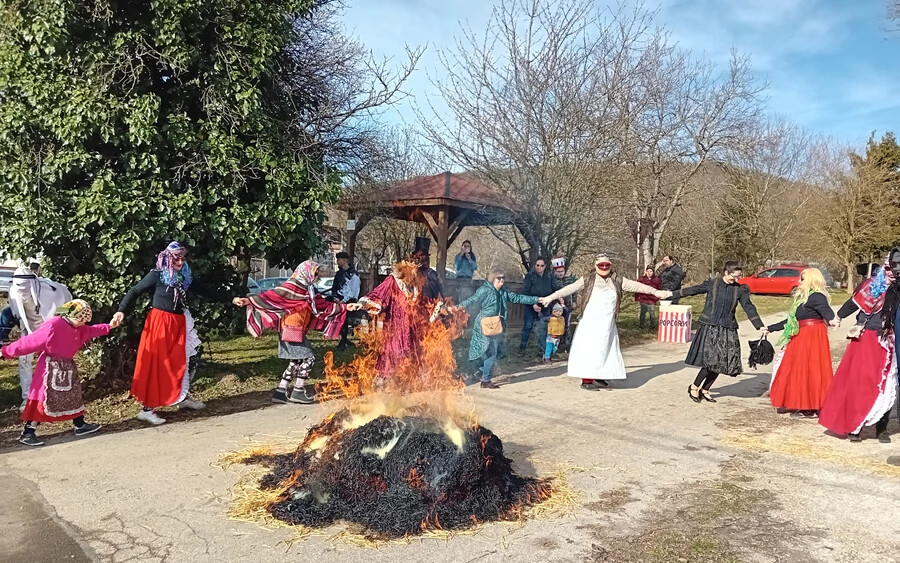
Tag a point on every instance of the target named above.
point(531, 318)
point(8, 321)
point(490, 357)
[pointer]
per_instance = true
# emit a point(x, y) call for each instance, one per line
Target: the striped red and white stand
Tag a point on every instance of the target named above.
point(675, 323)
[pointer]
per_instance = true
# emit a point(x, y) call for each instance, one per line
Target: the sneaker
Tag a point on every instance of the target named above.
point(302, 396)
point(192, 405)
point(279, 396)
point(489, 385)
point(805, 414)
point(30, 439)
point(87, 428)
point(854, 437)
point(150, 417)
point(590, 387)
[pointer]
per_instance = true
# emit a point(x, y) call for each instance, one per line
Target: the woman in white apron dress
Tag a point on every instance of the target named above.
point(595, 357)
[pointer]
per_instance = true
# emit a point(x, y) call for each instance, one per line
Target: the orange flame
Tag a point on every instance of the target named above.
point(426, 380)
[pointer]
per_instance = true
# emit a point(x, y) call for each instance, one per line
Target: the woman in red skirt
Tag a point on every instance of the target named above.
point(803, 372)
point(865, 384)
point(160, 372)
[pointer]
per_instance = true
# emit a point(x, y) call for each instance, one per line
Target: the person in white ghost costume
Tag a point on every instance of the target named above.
point(33, 300)
point(595, 356)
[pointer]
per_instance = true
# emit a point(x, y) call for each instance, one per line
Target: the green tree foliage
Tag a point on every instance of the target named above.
point(124, 124)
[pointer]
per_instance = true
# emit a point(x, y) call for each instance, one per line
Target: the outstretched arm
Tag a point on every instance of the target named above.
point(29, 344)
point(632, 286)
point(146, 285)
point(564, 292)
point(698, 289)
point(749, 307)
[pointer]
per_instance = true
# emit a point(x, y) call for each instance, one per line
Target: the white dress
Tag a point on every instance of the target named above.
point(595, 352)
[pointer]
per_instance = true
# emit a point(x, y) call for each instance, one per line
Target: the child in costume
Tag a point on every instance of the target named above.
point(55, 392)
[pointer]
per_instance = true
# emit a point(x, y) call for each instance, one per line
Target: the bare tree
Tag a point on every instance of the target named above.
point(766, 188)
point(332, 89)
point(587, 118)
point(527, 106)
point(674, 113)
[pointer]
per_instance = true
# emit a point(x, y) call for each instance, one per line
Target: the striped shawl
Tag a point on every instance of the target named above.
point(288, 309)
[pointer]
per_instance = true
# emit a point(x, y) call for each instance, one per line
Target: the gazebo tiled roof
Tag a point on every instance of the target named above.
point(445, 203)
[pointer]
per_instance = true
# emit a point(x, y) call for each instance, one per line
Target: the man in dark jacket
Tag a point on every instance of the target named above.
point(538, 283)
point(672, 275)
point(345, 289)
point(421, 255)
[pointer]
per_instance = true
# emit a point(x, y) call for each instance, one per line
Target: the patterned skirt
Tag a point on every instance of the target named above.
point(716, 348)
point(55, 393)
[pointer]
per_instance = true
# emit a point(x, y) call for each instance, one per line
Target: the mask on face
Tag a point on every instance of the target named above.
point(894, 262)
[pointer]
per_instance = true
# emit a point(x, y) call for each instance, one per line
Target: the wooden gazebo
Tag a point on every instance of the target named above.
point(445, 203)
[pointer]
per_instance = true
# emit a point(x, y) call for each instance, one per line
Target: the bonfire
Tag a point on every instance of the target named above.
point(405, 454)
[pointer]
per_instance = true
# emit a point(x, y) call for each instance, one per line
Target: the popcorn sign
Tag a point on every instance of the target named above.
point(675, 323)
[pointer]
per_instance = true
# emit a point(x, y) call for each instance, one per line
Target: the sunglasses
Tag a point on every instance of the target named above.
point(500, 278)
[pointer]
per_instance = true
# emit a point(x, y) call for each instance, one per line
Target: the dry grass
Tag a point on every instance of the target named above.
point(807, 449)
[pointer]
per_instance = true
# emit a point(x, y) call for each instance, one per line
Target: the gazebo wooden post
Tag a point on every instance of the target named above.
point(443, 233)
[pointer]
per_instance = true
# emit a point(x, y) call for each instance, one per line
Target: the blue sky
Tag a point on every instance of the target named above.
point(832, 65)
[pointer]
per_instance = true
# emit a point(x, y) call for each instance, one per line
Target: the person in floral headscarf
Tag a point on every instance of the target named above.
point(864, 387)
point(55, 393)
point(161, 374)
point(294, 308)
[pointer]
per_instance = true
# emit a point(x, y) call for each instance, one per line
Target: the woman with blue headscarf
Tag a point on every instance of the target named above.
point(160, 374)
point(865, 387)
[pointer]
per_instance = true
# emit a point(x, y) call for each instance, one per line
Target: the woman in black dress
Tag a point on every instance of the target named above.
point(716, 348)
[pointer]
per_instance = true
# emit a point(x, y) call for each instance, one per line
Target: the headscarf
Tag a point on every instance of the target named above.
point(180, 279)
point(306, 274)
point(602, 257)
point(870, 295)
point(76, 310)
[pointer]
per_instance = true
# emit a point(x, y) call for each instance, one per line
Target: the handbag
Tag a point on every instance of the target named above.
point(492, 326)
point(856, 330)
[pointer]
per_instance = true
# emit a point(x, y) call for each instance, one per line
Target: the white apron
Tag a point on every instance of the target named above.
point(595, 352)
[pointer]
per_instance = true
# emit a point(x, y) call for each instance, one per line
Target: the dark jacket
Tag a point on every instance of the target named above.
point(537, 285)
point(721, 302)
point(433, 289)
point(672, 277)
point(816, 307)
point(341, 277)
point(871, 322)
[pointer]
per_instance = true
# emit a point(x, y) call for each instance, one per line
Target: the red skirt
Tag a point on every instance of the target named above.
point(804, 373)
point(161, 360)
point(857, 384)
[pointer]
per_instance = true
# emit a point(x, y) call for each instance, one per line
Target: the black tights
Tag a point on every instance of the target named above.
point(705, 379)
point(31, 426)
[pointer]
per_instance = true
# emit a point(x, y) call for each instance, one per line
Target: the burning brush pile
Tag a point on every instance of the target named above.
point(405, 456)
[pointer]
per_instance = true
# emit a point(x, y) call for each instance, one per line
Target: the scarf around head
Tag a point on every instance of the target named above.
point(870, 295)
point(306, 274)
point(76, 310)
point(176, 279)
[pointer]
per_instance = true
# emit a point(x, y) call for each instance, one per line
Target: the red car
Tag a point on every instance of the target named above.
point(777, 280)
